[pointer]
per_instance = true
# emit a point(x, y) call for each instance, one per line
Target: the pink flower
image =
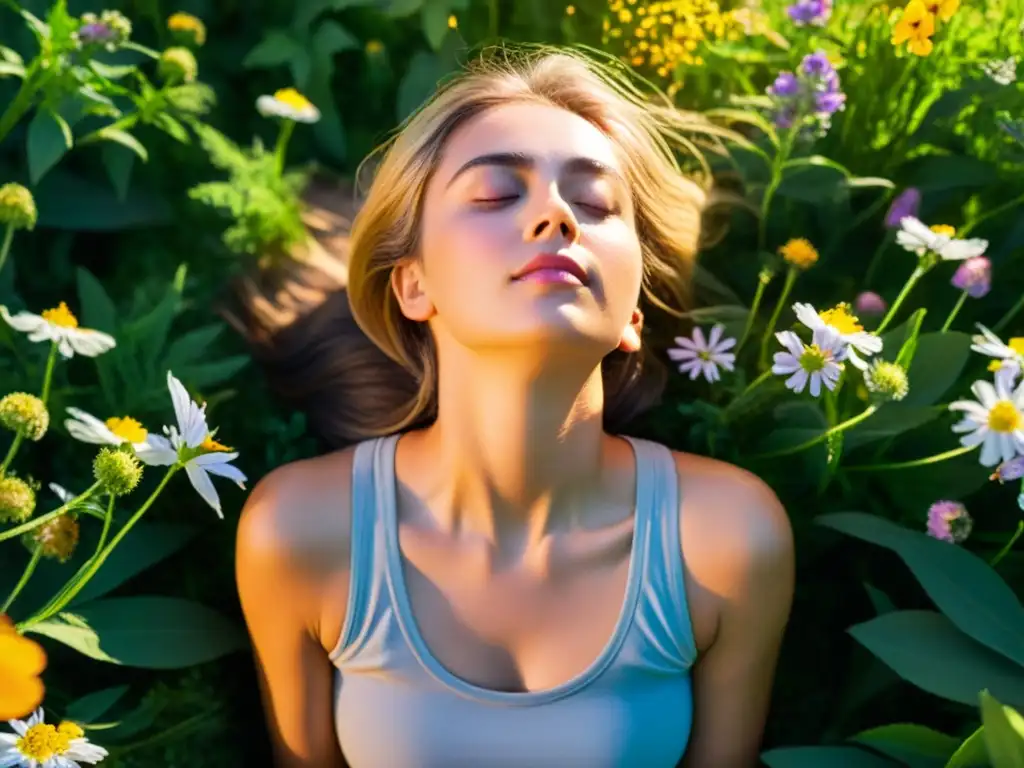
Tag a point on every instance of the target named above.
point(974, 275)
point(870, 303)
point(949, 521)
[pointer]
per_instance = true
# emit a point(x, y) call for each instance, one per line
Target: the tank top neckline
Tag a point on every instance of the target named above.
point(394, 573)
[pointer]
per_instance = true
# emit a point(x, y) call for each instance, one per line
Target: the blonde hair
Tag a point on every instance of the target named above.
point(353, 391)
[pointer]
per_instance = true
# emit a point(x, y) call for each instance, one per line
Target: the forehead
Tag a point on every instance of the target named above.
point(549, 133)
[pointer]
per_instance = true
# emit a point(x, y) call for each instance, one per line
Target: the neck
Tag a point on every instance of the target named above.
point(519, 444)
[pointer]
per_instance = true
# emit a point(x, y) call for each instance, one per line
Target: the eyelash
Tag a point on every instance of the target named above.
point(494, 202)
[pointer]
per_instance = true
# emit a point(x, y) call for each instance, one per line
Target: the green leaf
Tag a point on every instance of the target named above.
point(11, 69)
point(890, 420)
point(812, 179)
point(748, 117)
point(434, 18)
point(191, 345)
point(817, 161)
point(118, 161)
point(125, 139)
point(909, 348)
point(110, 71)
point(934, 173)
point(172, 128)
point(211, 374)
point(276, 48)
point(421, 78)
point(927, 650)
point(397, 9)
point(939, 360)
point(866, 182)
point(92, 706)
point(149, 631)
point(330, 38)
point(49, 138)
point(147, 544)
point(71, 202)
point(963, 586)
point(733, 317)
point(1004, 733)
point(823, 757)
point(98, 311)
point(972, 753)
point(149, 332)
point(910, 743)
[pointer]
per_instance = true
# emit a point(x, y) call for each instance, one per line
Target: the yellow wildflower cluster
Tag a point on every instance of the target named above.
point(917, 24)
point(663, 35)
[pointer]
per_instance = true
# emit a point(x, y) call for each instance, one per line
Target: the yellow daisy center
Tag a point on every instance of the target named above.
point(943, 229)
point(292, 98)
point(840, 318)
point(41, 742)
point(453, 23)
point(60, 316)
point(1017, 345)
point(813, 359)
point(71, 730)
point(127, 428)
point(799, 252)
point(1004, 417)
point(186, 22)
point(210, 445)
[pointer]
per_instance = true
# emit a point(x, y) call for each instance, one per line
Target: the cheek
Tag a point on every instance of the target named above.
point(617, 249)
point(464, 252)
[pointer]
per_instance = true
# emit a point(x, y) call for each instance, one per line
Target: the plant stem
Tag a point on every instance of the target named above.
point(42, 519)
point(282, 144)
point(877, 258)
point(15, 444)
point(791, 276)
point(781, 155)
point(762, 283)
point(915, 463)
point(954, 312)
point(916, 275)
point(22, 100)
point(990, 214)
point(820, 438)
point(48, 376)
point(6, 247)
point(995, 560)
point(82, 578)
point(29, 569)
point(1012, 313)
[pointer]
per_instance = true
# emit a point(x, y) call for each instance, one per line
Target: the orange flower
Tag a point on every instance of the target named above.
point(943, 9)
point(915, 27)
point(21, 663)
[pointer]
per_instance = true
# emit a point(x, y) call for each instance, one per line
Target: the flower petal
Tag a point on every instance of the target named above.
point(204, 486)
point(25, 322)
point(716, 334)
point(808, 315)
point(89, 343)
point(681, 354)
point(190, 417)
point(87, 428)
point(958, 250)
point(792, 342)
point(156, 451)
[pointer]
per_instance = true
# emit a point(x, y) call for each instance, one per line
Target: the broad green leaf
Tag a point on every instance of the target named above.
point(812, 182)
point(881, 602)
point(909, 348)
point(939, 359)
point(824, 757)
point(191, 345)
point(329, 130)
point(434, 17)
point(971, 753)
point(421, 78)
point(276, 48)
point(708, 285)
point(71, 202)
point(48, 141)
point(307, 10)
point(93, 706)
point(118, 161)
point(397, 9)
point(98, 311)
point(75, 633)
point(11, 69)
point(890, 420)
point(962, 585)
point(154, 632)
point(147, 544)
point(125, 139)
point(927, 650)
point(330, 38)
point(172, 128)
point(934, 173)
point(1003, 732)
point(110, 71)
point(213, 373)
point(910, 743)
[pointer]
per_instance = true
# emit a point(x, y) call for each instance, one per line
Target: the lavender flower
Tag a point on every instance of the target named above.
point(815, 12)
point(870, 303)
point(974, 275)
point(1009, 470)
point(808, 98)
point(110, 30)
point(907, 203)
point(949, 521)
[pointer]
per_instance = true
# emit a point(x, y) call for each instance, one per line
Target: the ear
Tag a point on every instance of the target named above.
point(630, 341)
point(409, 286)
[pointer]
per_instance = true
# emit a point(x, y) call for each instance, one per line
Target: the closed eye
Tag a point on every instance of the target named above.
point(597, 210)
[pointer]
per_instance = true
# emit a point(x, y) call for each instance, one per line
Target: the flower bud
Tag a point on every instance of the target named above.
point(886, 380)
point(869, 303)
point(186, 27)
point(17, 500)
point(949, 521)
point(799, 253)
point(974, 275)
point(118, 471)
point(24, 414)
point(56, 539)
point(17, 207)
point(178, 65)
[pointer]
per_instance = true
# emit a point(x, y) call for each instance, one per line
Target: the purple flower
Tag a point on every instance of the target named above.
point(869, 303)
point(816, 12)
point(974, 275)
point(96, 33)
point(1009, 470)
point(809, 97)
point(906, 204)
point(816, 65)
point(949, 521)
point(786, 84)
point(829, 102)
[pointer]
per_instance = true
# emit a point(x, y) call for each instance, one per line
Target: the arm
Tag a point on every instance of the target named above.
point(746, 564)
point(290, 546)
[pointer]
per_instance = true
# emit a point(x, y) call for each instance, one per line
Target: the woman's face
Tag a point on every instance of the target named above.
point(515, 183)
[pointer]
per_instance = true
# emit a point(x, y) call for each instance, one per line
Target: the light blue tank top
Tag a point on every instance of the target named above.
point(395, 706)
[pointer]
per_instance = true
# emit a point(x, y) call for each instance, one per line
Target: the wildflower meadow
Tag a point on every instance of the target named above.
point(857, 340)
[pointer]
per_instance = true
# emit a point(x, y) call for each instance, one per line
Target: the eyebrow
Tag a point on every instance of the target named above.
point(586, 165)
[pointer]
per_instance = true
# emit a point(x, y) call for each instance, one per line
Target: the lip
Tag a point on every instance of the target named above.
point(553, 261)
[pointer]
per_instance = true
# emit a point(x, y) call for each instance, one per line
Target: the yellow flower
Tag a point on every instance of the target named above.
point(21, 663)
point(570, 10)
point(189, 24)
point(943, 9)
point(915, 28)
point(800, 253)
point(374, 47)
point(453, 23)
point(289, 104)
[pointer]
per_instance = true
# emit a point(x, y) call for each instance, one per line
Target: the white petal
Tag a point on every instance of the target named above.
point(792, 342)
point(88, 342)
point(710, 371)
point(682, 354)
point(785, 363)
point(157, 451)
point(64, 347)
point(865, 342)
point(82, 749)
point(692, 367)
point(686, 343)
point(808, 315)
point(975, 438)
point(204, 486)
point(230, 471)
point(716, 334)
point(724, 344)
point(727, 360)
point(87, 428)
point(986, 393)
point(958, 250)
point(815, 384)
point(990, 451)
point(797, 381)
point(698, 338)
point(914, 231)
point(25, 322)
point(854, 359)
point(190, 417)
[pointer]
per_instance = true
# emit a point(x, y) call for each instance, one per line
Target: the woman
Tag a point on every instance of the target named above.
point(491, 576)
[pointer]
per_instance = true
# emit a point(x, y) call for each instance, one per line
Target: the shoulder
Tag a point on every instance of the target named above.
point(293, 536)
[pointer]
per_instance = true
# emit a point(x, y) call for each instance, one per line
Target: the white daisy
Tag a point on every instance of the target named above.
point(916, 237)
point(698, 355)
point(191, 443)
point(114, 431)
point(289, 104)
point(840, 320)
point(995, 421)
point(817, 362)
point(61, 326)
point(37, 744)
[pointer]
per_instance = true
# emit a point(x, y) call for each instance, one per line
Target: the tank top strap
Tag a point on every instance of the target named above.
point(663, 612)
point(370, 473)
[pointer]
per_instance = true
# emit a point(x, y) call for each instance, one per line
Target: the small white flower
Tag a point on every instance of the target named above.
point(698, 355)
point(37, 744)
point(61, 326)
point(114, 431)
point(289, 104)
point(914, 236)
point(1008, 359)
point(191, 443)
point(817, 362)
point(1002, 71)
point(846, 325)
point(995, 421)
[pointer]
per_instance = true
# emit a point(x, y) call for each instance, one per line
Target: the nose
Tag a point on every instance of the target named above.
point(554, 219)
